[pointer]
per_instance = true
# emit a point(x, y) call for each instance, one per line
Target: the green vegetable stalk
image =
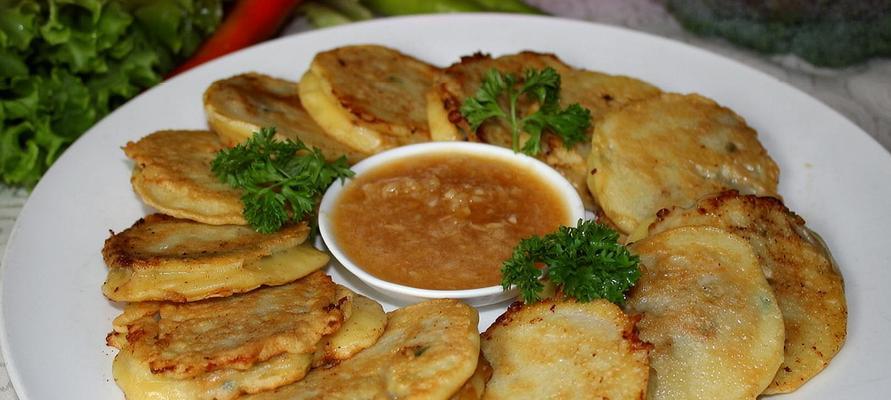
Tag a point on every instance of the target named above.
point(324, 13)
point(64, 64)
point(407, 7)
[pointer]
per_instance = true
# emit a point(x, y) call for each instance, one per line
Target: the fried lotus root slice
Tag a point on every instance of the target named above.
point(237, 107)
point(475, 387)
point(672, 150)
point(712, 318)
point(368, 97)
point(364, 324)
point(161, 258)
point(563, 349)
point(137, 381)
point(808, 286)
point(428, 351)
point(172, 173)
point(236, 332)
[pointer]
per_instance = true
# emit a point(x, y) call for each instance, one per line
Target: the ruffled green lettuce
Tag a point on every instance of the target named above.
point(65, 64)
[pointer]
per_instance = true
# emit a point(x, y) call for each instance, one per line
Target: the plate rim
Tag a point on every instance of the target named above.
point(14, 372)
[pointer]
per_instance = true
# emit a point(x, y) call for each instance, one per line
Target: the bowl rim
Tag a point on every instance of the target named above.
point(572, 201)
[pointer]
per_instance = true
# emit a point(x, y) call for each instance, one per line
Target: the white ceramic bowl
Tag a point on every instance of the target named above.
point(475, 297)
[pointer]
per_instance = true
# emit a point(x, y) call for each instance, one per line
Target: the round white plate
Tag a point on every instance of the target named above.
point(55, 318)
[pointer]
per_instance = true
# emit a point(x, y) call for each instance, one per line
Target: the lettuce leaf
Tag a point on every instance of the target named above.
point(65, 64)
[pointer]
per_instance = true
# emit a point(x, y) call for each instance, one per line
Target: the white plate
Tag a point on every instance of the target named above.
point(55, 318)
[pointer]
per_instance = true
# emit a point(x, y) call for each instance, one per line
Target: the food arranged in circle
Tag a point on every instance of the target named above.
point(693, 280)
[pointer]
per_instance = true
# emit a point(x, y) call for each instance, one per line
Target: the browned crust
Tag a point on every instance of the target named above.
point(504, 319)
point(126, 249)
point(454, 85)
point(328, 359)
point(627, 324)
point(482, 375)
point(714, 202)
point(629, 331)
point(354, 60)
point(145, 331)
point(261, 100)
point(800, 270)
point(172, 173)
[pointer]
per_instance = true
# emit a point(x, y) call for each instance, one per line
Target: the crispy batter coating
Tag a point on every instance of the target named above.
point(237, 107)
point(162, 258)
point(172, 173)
point(598, 92)
point(563, 349)
point(427, 352)
point(363, 324)
point(138, 382)
point(712, 318)
point(603, 93)
point(672, 150)
point(236, 332)
point(462, 80)
point(808, 287)
point(368, 97)
point(475, 387)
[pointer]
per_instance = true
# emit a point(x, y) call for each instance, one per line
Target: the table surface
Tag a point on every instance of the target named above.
point(862, 93)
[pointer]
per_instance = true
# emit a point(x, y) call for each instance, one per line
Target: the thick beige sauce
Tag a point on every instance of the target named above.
point(443, 221)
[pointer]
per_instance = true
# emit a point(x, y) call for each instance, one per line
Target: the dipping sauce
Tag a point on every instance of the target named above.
point(443, 221)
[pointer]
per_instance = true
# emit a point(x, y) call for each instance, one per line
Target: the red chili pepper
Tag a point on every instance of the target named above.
point(249, 22)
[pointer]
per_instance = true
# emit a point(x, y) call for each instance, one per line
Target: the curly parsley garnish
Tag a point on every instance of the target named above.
point(541, 86)
point(587, 262)
point(281, 180)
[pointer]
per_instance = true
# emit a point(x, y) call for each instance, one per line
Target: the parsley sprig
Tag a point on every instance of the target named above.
point(281, 180)
point(541, 86)
point(586, 261)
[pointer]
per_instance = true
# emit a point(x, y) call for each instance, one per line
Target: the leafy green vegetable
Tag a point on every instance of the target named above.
point(65, 64)
point(586, 261)
point(282, 181)
point(541, 86)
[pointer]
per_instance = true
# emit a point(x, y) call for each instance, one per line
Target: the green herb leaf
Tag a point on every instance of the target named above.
point(586, 261)
point(281, 180)
point(484, 104)
point(540, 86)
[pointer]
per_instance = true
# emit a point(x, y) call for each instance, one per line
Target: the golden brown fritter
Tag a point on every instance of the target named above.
point(462, 80)
point(236, 332)
point(162, 258)
point(172, 173)
point(475, 387)
point(712, 318)
point(239, 106)
point(137, 381)
point(808, 287)
point(598, 92)
point(563, 349)
point(602, 93)
point(364, 322)
point(672, 150)
point(369, 97)
point(427, 352)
